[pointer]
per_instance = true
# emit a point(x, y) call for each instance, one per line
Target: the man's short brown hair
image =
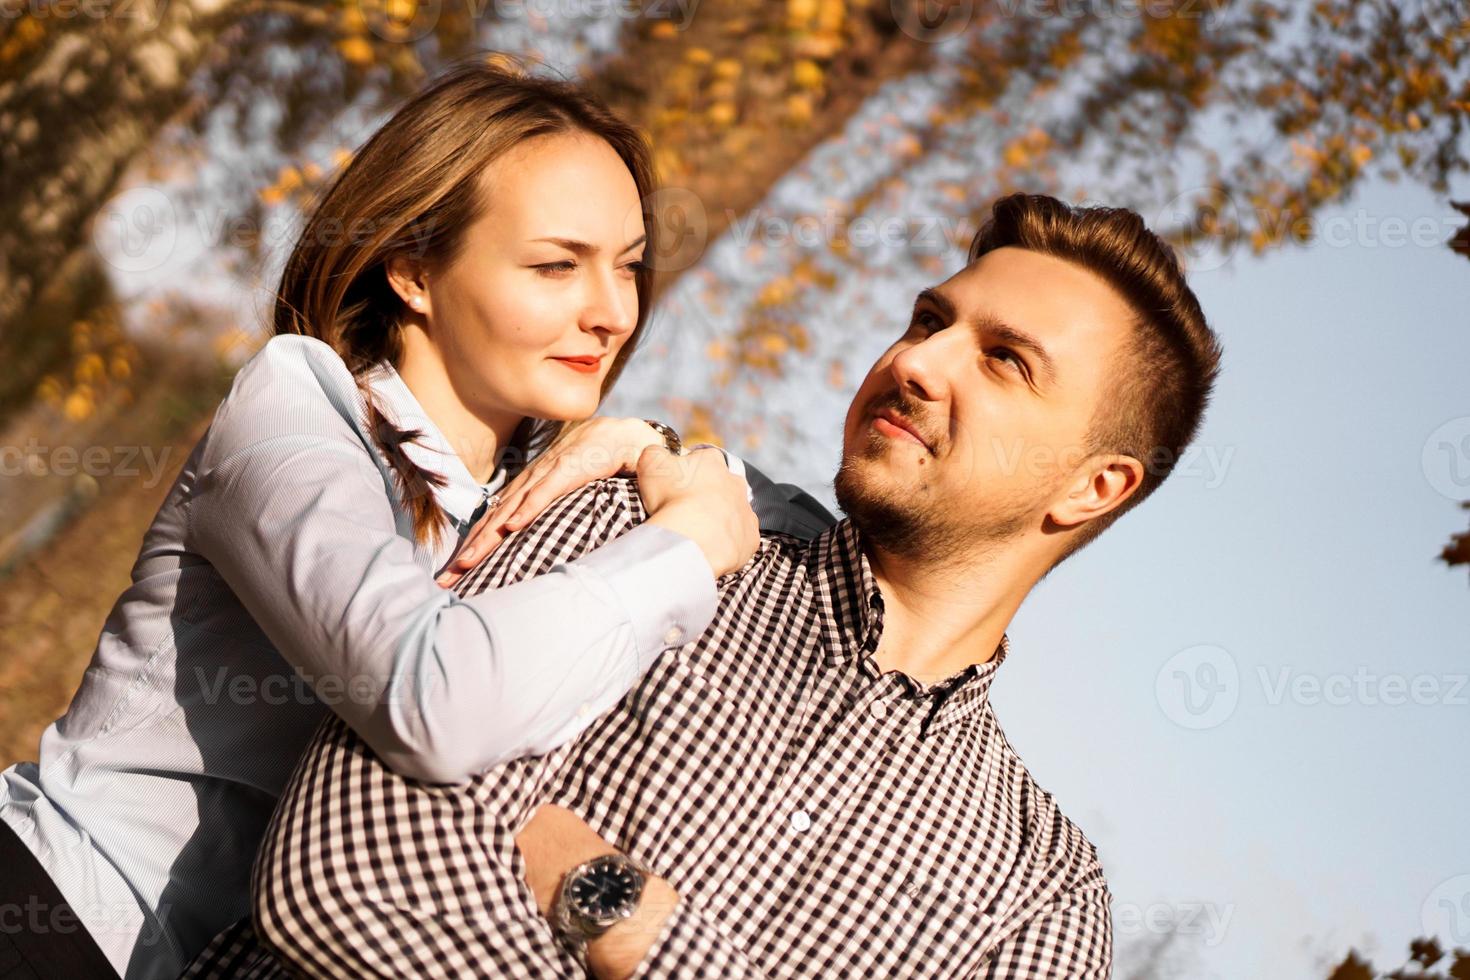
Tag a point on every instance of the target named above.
point(1164, 374)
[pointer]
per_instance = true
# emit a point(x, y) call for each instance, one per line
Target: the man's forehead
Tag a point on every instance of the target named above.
point(1065, 306)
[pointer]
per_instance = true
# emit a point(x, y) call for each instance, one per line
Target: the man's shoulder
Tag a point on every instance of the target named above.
point(570, 527)
point(1058, 842)
point(616, 504)
point(613, 498)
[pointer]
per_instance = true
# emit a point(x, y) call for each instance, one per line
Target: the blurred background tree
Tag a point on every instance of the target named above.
point(1249, 115)
point(1262, 111)
point(1427, 961)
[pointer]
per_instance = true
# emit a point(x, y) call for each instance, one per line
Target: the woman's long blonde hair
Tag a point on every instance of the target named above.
point(414, 188)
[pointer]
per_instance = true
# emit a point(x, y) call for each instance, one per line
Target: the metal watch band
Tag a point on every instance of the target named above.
point(566, 923)
point(672, 441)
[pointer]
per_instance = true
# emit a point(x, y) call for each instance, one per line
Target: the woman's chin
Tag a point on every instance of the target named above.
point(569, 410)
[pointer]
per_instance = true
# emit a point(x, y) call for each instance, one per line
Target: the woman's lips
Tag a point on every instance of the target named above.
point(582, 365)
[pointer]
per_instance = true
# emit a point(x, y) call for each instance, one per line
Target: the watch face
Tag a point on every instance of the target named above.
point(606, 889)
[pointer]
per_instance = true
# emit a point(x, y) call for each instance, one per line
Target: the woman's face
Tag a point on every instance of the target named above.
point(528, 318)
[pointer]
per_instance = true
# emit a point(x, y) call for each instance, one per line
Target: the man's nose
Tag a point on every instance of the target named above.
point(920, 369)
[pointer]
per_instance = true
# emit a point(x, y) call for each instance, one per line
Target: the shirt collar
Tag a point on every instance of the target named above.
point(462, 494)
point(851, 608)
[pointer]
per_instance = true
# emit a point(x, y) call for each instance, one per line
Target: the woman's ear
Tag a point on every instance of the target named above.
point(410, 281)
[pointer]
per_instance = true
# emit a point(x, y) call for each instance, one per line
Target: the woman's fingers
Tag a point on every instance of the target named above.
point(483, 538)
point(507, 505)
point(595, 453)
point(570, 472)
point(536, 500)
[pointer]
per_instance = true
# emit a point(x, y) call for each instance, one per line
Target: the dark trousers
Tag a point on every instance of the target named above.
point(41, 938)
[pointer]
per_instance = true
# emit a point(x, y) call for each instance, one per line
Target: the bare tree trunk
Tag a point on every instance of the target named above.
point(86, 99)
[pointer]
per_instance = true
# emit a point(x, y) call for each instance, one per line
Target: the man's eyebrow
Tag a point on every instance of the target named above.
point(936, 299)
point(1011, 337)
point(577, 247)
point(996, 328)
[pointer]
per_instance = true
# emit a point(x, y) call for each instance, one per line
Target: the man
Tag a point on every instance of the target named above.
point(817, 786)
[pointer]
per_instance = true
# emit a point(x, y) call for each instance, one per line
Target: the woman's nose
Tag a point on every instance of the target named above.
point(613, 306)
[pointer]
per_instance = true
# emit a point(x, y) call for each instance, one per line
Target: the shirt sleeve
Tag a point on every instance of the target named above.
point(296, 519)
point(1071, 936)
point(347, 883)
point(692, 944)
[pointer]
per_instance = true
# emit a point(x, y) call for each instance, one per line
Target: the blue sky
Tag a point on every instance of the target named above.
point(1321, 817)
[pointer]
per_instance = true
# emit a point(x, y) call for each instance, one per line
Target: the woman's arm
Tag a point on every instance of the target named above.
point(292, 510)
point(606, 447)
point(439, 687)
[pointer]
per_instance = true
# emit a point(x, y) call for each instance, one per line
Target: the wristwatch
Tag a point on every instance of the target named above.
point(672, 441)
point(595, 896)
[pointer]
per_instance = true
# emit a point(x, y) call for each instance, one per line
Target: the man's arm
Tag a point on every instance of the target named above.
point(366, 873)
point(1071, 936)
point(666, 936)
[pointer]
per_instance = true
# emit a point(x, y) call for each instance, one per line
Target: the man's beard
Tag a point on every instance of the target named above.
point(912, 524)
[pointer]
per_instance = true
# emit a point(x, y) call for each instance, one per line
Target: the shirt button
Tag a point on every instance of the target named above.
point(584, 710)
point(879, 709)
point(801, 821)
point(674, 637)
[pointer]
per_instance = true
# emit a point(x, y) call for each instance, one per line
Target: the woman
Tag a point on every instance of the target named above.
point(468, 285)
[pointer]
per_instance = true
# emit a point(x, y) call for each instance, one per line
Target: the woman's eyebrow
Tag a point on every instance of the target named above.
point(577, 247)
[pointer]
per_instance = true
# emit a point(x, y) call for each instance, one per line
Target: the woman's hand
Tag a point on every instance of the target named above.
point(696, 495)
point(595, 450)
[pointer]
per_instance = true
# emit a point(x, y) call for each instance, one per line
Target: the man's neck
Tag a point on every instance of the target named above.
point(939, 618)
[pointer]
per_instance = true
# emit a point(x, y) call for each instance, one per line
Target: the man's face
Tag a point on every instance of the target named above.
point(966, 430)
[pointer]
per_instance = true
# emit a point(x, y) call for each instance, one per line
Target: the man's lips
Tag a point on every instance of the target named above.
point(895, 426)
point(586, 364)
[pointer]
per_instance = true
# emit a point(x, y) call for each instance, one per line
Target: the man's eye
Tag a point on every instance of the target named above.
point(926, 321)
point(1010, 355)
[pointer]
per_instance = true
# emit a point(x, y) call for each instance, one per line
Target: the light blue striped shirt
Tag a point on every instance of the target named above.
point(279, 577)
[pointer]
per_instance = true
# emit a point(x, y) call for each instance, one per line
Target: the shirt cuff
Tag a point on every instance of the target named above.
point(691, 944)
point(663, 582)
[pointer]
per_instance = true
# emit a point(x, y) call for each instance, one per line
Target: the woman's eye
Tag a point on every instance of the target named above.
point(634, 268)
point(555, 268)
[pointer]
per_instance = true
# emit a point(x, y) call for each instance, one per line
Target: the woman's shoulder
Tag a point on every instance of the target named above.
point(293, 386)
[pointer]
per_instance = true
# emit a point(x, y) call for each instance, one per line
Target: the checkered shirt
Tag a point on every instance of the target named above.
point(818, 817)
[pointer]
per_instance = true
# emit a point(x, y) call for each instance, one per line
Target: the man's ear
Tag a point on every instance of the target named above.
point(410, 281)
point(1100, 484)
